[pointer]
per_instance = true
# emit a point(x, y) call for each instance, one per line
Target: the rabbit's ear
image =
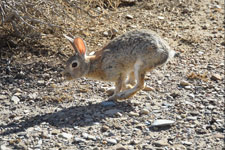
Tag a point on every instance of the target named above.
point(71, 40)
point(80, 46)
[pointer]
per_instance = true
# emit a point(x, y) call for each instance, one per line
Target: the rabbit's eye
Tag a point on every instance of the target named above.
point(74, 64)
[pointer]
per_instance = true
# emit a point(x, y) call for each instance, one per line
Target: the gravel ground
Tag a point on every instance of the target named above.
point(182, 111)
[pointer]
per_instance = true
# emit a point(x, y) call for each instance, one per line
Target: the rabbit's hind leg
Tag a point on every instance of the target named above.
point(130, 82)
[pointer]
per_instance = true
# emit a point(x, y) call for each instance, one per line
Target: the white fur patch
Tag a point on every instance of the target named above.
point(137, 65)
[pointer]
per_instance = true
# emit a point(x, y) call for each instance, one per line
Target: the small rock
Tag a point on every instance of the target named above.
point(133, 114)
point(112, 141)
point(184, 83)
point(104, 128)
point(106, 33)
point(194, 113)
point(186, 143)
point(112, 112)
point(79, 140)
point(108, 104)
point(160, 17)
point(191, 118)
point(91, 137)
point(119, 147)
point(41, 82)
point(88, 136)
point(216, 77)
point(144, 111)
point(15, 99)
point(66, 135)
point(219, 135)
point(32, 95)
point(162, 122)
point(85, 135)
point(3, 97)
point(187, 87)
point(160, 143)
point(55, 132)
point(191, 95)
point(129, 16)
point(3, 147)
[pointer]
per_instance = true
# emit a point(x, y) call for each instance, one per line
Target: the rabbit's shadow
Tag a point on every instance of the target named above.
point(75, 116)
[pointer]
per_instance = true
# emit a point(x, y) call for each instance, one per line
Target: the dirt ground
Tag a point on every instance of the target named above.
point(41, 111)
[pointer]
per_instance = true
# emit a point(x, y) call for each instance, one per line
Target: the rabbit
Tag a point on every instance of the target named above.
point(125, 61)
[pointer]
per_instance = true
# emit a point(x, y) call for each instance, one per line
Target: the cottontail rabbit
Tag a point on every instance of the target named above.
point(125, 60)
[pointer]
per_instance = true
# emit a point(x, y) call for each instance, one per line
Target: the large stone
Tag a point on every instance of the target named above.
point(162, 122)
point(15, 99)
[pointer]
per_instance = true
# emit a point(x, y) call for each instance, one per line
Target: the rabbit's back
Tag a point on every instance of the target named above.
point(139, 45)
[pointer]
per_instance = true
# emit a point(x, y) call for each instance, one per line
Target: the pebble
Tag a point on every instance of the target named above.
point(187, 87)
point(219, 135)
point(41, 82)
point(119, 147)
point(129, 16)
point(32, 95)
point(66, 135)
point(216, 77)
point(108, 104)
point(133, 114)
point(112, 112)
point(186, 143)
point(15, 99)
point(160, 143)
point(144, 111)
point(162, 122)
point(3, 97)
point(191, 118)
point(106, 33)
point(88, 136)
point(4, 147)
point(112, 141)
point(184, 83)
point(78, 140)
point(104, 128)
point(161, 17)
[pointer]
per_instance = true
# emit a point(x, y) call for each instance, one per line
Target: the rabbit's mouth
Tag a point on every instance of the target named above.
point(67, 75)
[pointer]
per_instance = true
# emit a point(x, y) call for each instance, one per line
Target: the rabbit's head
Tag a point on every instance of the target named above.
point(76, 66)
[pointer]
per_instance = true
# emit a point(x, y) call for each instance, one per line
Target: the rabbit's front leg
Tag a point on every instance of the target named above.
point(119, 84)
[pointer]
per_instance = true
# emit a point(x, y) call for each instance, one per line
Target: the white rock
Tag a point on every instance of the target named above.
point(66, 135)
point(160, 17)
point(15, 99)
point(76, 139)
point(3, 97)
point(3, 147)
point(105, 33)
point(144, 111)
point(162, 122)
point(85, 135)
point(112, 141)
point(32, 95)
point(129, 16)
point(186, 143)
point(133, 114)
point(191, 118)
